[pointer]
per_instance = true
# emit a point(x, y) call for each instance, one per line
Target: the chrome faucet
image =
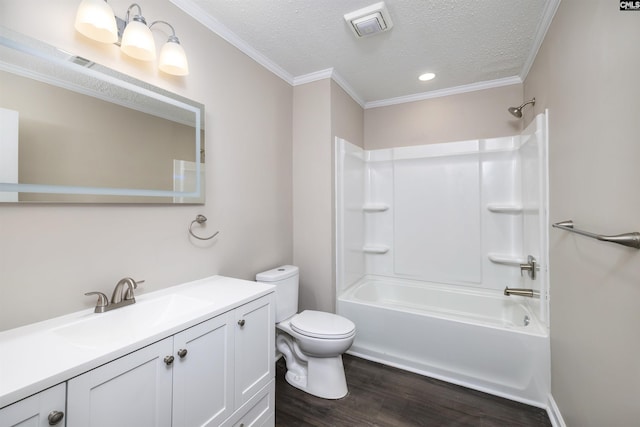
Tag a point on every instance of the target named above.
point(118, 297)
point(122, 295)
point(521, 292)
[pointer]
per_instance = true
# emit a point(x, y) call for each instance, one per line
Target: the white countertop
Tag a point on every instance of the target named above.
point(37, 356)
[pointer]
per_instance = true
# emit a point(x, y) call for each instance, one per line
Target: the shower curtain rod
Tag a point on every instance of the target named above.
point(631, 240)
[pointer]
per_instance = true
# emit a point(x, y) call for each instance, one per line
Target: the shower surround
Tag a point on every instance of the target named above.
point(427, 239)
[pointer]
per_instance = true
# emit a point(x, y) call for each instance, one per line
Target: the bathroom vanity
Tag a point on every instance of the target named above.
point(197, 354)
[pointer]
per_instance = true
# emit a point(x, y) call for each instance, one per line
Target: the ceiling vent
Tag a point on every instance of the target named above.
point(370, 20)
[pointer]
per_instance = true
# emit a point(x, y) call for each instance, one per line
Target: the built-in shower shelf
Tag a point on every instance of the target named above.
point(375, 207)
point(506, 259)
point(377, 249)
point(504, 208)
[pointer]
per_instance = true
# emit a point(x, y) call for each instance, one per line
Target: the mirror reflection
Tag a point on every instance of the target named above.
point(74, 131)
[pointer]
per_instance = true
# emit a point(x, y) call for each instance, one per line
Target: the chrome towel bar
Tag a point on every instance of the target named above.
point(631, 240)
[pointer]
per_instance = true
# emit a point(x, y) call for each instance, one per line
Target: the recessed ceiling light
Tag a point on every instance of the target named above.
point(426, 76)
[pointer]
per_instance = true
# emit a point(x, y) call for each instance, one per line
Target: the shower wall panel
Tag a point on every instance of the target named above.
point(463, 213)
point(433, 213)
point(437, 229)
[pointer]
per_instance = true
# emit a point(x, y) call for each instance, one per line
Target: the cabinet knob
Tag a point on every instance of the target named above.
point(55, 417)
point(241, 322)
point(182, 353)
point(169, 360)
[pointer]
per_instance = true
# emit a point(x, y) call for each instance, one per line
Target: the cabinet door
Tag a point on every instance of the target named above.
point(203, 373)
point(43, 409)
point(254, 347)
point(132, 391)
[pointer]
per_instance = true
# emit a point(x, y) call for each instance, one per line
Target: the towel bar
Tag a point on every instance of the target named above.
point(631, 240)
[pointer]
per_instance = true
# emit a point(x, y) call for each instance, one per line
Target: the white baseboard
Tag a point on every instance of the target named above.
point(554, 413)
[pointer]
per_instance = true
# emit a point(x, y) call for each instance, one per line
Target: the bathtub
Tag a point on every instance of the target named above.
point(479, 339)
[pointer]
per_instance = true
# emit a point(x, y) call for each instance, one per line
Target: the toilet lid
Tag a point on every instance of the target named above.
point(319, 324)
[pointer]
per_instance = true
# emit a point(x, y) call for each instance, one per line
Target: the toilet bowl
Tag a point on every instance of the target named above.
point(314, 358)
point(312, 342)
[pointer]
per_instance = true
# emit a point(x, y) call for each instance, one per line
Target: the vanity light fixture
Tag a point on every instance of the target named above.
point(95, 19)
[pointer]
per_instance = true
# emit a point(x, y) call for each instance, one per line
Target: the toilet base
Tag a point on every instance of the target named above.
point(325, 378)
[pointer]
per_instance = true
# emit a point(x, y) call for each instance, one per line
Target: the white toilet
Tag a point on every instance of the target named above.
point(311, 342)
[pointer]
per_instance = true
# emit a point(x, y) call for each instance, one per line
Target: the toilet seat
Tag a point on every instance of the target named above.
point(323, 325)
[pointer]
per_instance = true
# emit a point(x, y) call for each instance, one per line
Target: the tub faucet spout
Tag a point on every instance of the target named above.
point(531, 293)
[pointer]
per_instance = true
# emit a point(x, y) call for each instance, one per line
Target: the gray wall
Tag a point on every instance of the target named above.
point(322, 111)
point(586, 74)
point(472, 115)
point(312, 243)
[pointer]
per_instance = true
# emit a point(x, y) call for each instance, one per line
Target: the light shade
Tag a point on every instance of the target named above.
point(137, 40)
point(96, 20)
point(173, 59)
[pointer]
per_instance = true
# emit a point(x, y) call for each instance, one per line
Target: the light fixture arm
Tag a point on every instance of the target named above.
point(137, 17)
point(172, 37)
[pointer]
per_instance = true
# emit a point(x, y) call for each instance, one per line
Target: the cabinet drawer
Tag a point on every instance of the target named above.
point(258, 411)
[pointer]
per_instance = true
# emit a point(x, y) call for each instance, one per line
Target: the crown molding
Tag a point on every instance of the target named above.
point(490, 84)
point(313, 77)
point(347, 88)
point(547, 16)
point(329, 73)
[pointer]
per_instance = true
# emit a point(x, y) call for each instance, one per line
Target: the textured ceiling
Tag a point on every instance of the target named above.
point(465, 42)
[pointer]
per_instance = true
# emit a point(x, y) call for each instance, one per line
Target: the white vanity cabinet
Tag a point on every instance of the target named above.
point(42, 409)
point(196, 354)
point(198, 377)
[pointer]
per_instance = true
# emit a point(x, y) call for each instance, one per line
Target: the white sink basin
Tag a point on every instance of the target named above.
point(130, 322)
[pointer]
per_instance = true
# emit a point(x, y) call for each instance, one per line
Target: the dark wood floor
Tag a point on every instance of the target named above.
point(383, 396)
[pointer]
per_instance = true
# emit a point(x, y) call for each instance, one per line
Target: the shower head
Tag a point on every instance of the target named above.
point(517, 111)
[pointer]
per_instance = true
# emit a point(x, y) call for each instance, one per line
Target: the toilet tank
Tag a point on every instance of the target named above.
point(285, 279)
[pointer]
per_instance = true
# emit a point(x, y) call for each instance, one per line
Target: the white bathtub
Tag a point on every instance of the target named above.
point(475, 338)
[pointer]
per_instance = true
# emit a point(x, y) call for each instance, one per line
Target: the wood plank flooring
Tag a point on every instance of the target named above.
point(383, 396)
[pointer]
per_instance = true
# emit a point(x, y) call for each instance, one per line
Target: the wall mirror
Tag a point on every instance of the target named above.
point(73, 131)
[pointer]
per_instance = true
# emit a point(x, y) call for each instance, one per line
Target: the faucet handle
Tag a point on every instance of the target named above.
point(102, 302)
point(530, 267)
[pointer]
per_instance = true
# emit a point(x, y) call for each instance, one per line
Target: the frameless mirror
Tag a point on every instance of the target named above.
point(74, 131)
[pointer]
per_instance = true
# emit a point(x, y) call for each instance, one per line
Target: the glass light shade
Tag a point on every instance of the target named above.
point(137, 41)
point(173, 59)
point(96, 20)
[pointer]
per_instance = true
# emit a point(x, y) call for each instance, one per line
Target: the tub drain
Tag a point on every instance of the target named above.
point(526, 320)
